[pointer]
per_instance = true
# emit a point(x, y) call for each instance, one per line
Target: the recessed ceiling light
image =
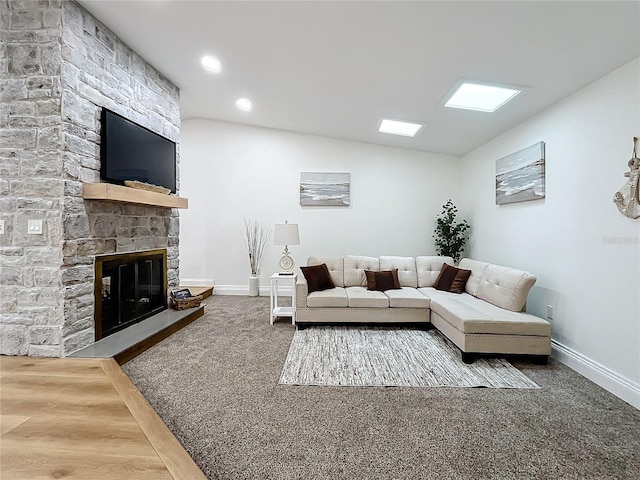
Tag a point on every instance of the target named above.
point(396, 127)
point(211, 64)
point(244, 104)
point(481, 97)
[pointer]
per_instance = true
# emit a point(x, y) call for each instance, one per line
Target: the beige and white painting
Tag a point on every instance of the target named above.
point(520, 176)
point(325, 189)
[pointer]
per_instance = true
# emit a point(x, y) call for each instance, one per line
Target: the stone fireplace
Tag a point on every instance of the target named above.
point(117, 232)
point(62, 66)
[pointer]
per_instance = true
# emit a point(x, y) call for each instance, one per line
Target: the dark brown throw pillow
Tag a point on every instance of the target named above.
point(452, 279)
point(383, 280)
point(371, 279)
point(318, 277)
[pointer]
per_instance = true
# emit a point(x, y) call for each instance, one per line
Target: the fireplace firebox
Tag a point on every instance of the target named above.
point(129, 287)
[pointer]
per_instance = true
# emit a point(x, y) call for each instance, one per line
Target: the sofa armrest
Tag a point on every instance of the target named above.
point(302, 290)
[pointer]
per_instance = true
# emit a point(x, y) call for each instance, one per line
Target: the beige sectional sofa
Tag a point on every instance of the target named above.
point(488, 317)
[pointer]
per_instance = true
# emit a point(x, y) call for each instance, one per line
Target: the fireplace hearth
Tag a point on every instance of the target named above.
point(129, 287)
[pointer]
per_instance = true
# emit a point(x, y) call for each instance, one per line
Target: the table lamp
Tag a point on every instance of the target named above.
point(286, 234)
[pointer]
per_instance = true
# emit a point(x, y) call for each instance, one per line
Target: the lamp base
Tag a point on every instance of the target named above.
point(286, 263)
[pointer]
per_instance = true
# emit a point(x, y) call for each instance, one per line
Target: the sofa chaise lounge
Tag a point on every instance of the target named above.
point(488, 317)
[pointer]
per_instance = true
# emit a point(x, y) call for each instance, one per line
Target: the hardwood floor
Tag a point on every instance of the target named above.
point(82, 419)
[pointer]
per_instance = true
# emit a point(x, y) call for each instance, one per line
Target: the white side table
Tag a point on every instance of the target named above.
point(276, 311)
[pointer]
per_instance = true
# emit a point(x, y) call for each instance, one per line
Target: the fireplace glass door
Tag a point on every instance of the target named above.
point(128, 289)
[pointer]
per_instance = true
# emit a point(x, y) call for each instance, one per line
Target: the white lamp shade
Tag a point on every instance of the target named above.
point(286, 234)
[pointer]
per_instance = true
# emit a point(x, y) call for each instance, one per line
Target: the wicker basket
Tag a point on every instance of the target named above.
point(184, 303)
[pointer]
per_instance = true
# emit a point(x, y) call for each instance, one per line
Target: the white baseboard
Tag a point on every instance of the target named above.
point(237, 290)
point(265, 291)
point(599, 374)
point(197, 282)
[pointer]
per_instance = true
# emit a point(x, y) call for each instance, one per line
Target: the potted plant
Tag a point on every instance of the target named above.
point(256, 237)
point(450, 237)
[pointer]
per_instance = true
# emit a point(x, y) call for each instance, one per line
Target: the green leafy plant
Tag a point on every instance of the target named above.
point(450, 237)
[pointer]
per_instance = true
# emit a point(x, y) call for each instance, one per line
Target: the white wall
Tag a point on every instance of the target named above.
point(231, 172)
point(585, 253)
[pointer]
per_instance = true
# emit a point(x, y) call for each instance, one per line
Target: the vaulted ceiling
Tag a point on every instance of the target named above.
point(336, 68)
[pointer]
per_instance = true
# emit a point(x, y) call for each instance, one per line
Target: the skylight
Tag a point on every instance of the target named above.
point(396, 127)
point(483, 98)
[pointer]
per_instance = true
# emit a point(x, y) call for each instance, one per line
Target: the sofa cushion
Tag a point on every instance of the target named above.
point(428, 269)
point(452, 279)
point(334, 297)
point(505, 287)
point(360, 297)
point(382, 280)
point(354, 267)
point(477, 269)
point(407, 297)
point(317, 277)
point(475, 316)
point(334, 265)
point(406, 266)
point(431, 293)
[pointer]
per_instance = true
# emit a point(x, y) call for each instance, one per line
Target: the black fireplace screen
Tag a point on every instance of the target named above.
point(129, 287)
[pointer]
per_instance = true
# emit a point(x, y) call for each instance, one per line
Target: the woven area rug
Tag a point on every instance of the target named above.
point(390, 357)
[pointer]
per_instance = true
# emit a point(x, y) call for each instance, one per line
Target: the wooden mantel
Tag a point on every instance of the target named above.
point(119, 193)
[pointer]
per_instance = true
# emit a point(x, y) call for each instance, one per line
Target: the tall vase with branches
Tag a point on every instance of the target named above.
point(256, 236)
point(450, 236)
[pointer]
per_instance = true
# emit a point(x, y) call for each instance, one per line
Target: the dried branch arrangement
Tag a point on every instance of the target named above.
point(257, 236)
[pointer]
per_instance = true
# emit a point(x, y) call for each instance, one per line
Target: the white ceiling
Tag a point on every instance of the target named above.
point(336, 68)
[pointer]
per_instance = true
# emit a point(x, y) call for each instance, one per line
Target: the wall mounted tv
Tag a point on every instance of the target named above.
point(129, 151)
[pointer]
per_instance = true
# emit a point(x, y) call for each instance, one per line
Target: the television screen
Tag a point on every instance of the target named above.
point(129, 151)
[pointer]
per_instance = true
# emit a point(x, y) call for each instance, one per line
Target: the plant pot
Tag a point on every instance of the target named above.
point(254, 286)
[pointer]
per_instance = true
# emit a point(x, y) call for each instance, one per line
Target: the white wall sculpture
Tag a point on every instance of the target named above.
point(627, 199)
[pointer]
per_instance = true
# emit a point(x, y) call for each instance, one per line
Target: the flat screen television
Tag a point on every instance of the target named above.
point(129, 151)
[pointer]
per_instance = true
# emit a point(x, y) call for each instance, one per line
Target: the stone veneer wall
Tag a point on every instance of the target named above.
point(59, 67)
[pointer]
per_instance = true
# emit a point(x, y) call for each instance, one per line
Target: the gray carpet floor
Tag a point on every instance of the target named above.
point(215, 384)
